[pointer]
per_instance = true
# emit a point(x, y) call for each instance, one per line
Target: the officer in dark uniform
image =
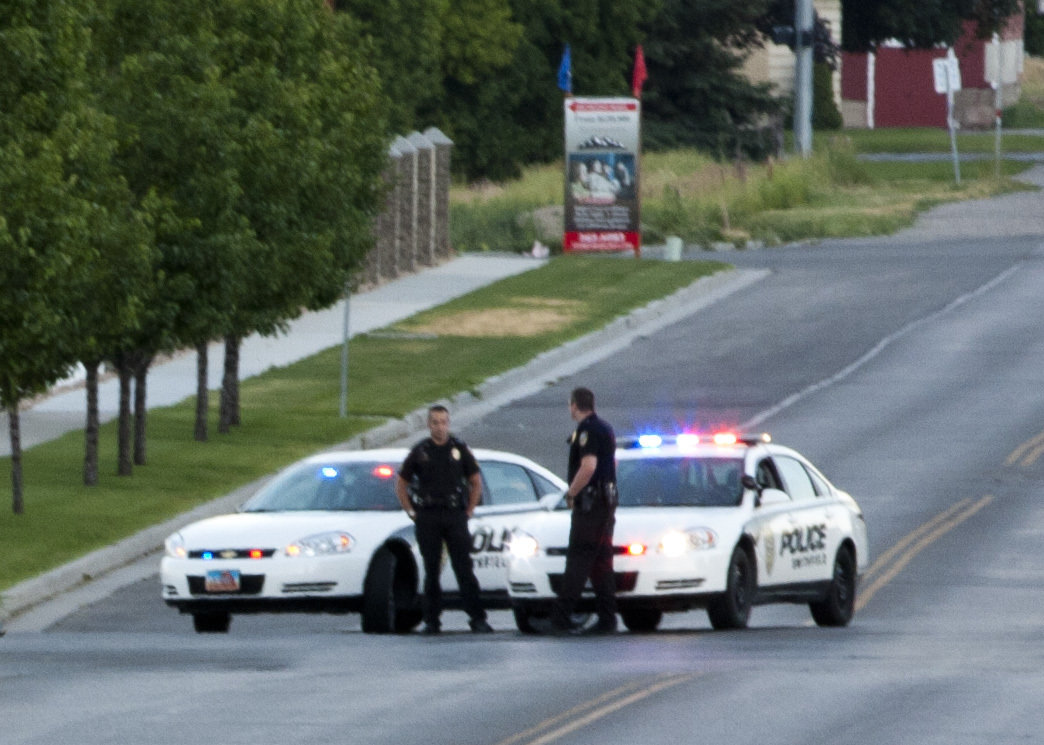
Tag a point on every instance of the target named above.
point(593, 499)
point(439, 486)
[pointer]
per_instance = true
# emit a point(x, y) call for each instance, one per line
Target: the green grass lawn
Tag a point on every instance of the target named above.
point(293, 411)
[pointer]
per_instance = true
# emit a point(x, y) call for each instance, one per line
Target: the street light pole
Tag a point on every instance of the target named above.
point(803, 20)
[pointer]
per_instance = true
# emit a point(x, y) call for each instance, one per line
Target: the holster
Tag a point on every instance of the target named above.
point(592, 494)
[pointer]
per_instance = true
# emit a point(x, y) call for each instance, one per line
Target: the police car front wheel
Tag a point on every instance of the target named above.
point(838, 607)
point(211, 622)
point(731, 609)
point(641, 619)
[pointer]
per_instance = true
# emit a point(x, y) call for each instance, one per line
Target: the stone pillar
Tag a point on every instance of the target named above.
point(382, 262)
point(407, 206)
point(443, 149)
point(425, 198)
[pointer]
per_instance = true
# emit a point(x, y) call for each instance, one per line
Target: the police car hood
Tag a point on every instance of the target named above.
point(246, 530)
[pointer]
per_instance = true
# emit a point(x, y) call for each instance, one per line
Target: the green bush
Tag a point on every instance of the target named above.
point(1023, 115)
point(825, 114)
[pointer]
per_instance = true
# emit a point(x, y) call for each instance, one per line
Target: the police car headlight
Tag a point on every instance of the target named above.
point(524, 546)
point(174, 546)
point(678, 542)
point(321, 544)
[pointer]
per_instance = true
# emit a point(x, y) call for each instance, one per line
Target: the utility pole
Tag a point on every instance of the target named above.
point(803, 20)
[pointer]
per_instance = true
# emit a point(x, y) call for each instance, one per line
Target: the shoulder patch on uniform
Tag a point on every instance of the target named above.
point(583, 438)
point(455, 453)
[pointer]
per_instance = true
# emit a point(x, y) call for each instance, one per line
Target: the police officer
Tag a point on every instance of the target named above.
point(593, 498)
point(439, 486)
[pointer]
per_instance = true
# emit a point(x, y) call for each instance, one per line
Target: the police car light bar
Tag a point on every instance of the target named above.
point(651, 441)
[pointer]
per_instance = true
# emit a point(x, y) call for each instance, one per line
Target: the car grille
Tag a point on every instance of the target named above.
point(523, 587)
point(562, 551)
point(229, 553)
point(290, 587)
point(249, 584)
point(625, 581)
point(678, 584)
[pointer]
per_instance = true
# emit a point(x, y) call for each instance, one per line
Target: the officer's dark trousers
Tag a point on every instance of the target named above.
point(433, 527)
point(590, 554)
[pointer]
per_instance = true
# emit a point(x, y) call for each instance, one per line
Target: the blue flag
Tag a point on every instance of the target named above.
point(565, 71)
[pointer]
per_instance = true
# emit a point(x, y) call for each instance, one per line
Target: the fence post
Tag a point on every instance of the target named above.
point(407, 206)
point(425, 198)
point(443, 150)
point(381, 263)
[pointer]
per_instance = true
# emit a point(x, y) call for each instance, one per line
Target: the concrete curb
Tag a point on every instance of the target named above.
point(493, 393)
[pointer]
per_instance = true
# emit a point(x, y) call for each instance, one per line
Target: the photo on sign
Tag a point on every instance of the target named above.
point(601, 178)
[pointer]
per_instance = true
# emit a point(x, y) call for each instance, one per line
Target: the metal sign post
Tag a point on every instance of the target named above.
point(804, 19)
point(344, 352)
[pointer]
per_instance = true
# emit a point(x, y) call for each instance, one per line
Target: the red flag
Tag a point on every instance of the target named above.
point(639, 76)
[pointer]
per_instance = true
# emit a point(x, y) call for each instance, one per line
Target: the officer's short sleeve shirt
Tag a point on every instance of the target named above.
point(594, 436)
point(439, 469)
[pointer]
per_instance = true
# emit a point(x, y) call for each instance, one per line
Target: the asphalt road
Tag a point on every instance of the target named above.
point(908, 368)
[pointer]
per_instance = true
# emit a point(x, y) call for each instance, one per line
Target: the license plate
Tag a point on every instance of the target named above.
point(222, 580)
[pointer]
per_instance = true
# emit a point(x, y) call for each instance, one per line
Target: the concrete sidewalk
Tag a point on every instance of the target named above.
point(174, 380)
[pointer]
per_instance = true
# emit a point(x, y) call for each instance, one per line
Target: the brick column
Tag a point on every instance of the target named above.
point(425, 198)
point(407, 206)
point(382, 263)
point(441, 222)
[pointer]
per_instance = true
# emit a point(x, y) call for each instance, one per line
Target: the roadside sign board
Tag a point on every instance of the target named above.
point(947, 74)
point(602, 137)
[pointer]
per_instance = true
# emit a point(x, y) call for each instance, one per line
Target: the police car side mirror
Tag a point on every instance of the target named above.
point(770, 497)
point(748, 482)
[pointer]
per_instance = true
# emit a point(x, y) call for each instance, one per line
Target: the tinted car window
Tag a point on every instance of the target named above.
point(507, 483)
point(796, 479)
point(544, 486)
point(818, 482)
point(329, 486)
point(679, 482)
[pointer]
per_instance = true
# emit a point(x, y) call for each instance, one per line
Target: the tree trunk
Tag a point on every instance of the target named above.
point(90, 430)
point(17, 503)
point(230, 386)
point(201, 392)
point(141, 373)
point(124, 463)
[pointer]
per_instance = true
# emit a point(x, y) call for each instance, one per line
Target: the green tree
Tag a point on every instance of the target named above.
point(65, 217)
point(920, 25)
point(825, 114)
point(406, 49)
point(1034, 35)
point(512, 114)
point(696, 94)
point(178, 152)
point(311, 143)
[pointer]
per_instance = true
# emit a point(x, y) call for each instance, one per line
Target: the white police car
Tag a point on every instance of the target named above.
point(718, 522)
point(327, 534)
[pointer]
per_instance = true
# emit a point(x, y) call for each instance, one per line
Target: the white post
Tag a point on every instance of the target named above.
point(952, 84)
point(998, 98)
point(803, 21)
point(344, 352)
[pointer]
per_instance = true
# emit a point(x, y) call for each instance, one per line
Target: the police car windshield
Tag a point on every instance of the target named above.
point(329, 486)
point(680, 482)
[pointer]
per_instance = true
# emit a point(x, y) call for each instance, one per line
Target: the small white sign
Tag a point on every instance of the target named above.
point(947, 73)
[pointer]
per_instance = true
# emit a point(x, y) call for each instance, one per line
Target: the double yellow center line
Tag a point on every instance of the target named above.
point(895, 559)
point(1027, 453)
point(880, 573)
point(559, 726)
point(891, 562)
